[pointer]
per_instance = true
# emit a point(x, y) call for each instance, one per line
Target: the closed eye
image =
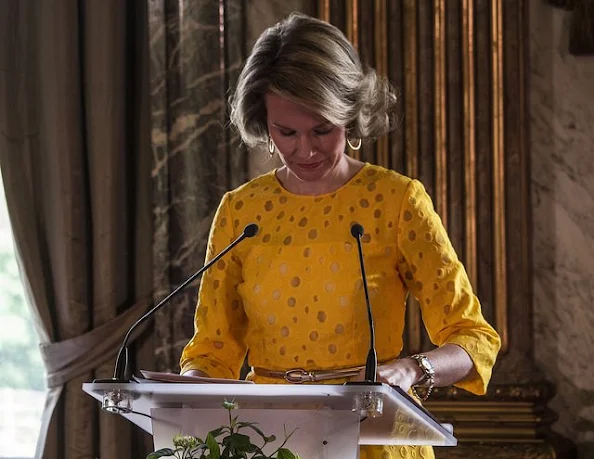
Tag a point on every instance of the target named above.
point(324, 131)
point(286, 132)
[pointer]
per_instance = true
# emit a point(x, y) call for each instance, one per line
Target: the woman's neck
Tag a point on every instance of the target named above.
point(338, 177)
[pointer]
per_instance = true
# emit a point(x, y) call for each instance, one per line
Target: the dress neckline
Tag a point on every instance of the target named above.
point(272, 173)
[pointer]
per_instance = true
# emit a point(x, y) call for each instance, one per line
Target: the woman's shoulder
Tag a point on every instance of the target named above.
point(376, 177)
point(265, 183)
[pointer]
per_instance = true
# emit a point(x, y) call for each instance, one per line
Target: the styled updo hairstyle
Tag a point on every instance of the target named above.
point(311, 63)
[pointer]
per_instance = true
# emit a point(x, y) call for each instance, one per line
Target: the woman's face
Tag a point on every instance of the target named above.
point(311, 148)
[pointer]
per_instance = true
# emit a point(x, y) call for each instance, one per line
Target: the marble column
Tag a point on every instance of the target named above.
point(197, 48)
point(562, 162)
point(262, 14)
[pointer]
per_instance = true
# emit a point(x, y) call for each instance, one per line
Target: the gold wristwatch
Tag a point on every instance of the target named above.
point(428, 380)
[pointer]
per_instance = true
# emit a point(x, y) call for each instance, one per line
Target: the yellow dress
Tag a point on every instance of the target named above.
point(293, 294)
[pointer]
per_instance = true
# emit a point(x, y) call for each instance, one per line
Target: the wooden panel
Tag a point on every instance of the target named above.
point(414, 329)
point(366, 39)
point(425, 94)
point(454, 165)
point(381, 67)
point(352, 22)
point(395, 49)
point(516, 307)
point(338, 14)
point(484, 163)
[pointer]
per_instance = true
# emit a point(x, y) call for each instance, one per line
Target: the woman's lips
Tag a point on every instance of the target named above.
point(310, 166)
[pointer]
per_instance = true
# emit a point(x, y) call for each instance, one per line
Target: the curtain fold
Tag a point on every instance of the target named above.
point(76, 165)
point(68, 359)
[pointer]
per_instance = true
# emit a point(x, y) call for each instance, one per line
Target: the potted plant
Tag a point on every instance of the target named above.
point(226, 442)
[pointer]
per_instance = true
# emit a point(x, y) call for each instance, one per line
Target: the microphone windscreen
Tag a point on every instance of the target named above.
point(357, 230)
point(251, 230)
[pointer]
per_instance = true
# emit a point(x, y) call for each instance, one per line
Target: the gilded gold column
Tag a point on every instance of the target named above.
point(441, 141)
point(499, 173)
point(469, 139)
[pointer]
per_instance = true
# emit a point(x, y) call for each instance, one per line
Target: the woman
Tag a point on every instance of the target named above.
point(293, 294)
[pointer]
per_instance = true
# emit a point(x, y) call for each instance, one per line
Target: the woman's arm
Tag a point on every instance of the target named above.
point(218, 346)
point(467, 345)
point(450, 362)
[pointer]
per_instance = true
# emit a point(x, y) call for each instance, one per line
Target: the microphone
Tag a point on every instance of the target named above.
point(121, 372)
point(371, 364)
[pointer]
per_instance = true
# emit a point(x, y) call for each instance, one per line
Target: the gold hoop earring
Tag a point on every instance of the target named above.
point(355, 147)
point(270, 147)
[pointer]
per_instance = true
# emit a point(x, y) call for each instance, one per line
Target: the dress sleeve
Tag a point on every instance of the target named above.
point(218, 346)
point(431, 270)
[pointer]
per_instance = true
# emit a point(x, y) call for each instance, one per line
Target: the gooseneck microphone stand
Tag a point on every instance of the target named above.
point(121, 372)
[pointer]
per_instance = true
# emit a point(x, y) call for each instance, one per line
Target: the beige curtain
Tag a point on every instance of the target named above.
point(75, 158)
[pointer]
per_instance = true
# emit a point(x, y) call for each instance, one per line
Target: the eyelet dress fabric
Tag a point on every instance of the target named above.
point(293, 294)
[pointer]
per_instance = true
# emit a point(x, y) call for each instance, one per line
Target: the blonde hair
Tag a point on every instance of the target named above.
point(311, 63)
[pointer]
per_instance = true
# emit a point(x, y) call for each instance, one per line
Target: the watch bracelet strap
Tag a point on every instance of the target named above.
point(424, 398)
point(427, 382)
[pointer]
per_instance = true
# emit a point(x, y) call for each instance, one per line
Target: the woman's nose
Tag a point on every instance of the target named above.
point(305, 147)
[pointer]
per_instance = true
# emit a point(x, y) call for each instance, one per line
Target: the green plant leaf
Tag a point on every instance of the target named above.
point(216, 432)
point(238, 442)
point(163, 452)
point(284, 453)
point(213, 446)
point(253, 426)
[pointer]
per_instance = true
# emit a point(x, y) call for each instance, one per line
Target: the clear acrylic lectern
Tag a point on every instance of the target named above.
point(327, 426)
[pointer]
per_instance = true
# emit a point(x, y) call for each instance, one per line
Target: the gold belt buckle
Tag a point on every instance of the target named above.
point(299, 375)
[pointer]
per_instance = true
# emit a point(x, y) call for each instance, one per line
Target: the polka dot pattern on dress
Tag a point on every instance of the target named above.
point(293, 294)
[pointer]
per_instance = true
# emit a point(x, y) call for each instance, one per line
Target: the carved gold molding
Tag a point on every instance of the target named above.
point(443, 93)
point(324, 10)
point(468, 58)
point(498, 173)
point(537, 393)
point(352, 22)
point(536, 450)
point(510, 413)
point(441, 141)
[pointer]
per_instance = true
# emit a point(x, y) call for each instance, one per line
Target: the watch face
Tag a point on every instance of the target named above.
point(426, 364)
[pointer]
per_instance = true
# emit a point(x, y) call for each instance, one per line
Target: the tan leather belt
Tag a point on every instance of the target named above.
point(299, 375)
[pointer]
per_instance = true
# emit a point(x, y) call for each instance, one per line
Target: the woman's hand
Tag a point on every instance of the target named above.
point(451, 363)
point(195, 373)
point(403, 373)
point(400, 372)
